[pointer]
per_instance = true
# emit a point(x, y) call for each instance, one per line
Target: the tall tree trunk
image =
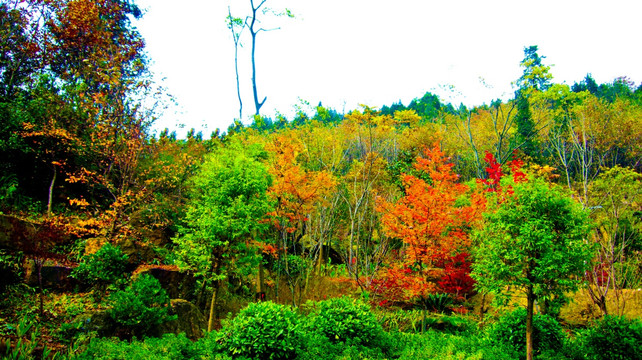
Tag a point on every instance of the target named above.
point(210, 323)
point(39, 263)
point(236, 37)
point(51, 188)
point(530, 304)
point(319, 260)
point(238, 85)
point(261, 282)
point(254, 32)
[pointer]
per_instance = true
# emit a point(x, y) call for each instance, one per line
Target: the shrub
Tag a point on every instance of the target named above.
point(612, 337)
point(262, 331)
point(209, 347)
point(169, 347)
point(143, 305)
point(443, 346)
point(437, 302)
point(344, 319)
point(548, 334)
point(105, 266)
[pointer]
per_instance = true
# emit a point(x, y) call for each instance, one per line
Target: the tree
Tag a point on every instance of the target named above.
point(295, 192)
point(480, 130)
point(19, 51)
point(536, 78)
point(371, 144)
point(72, 74)
point(536, 75)
point(224, 218)
point(252, 22)
point(236, 26)
point(535, 240)
point(39, 245)
point(617, 193)
point(433, 225)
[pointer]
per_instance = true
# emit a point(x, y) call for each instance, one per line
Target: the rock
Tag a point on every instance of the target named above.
point(138, 252)
point(190, 320)
point(159, 237)
point(54, 276)
point(177, 284)
point(14, 231)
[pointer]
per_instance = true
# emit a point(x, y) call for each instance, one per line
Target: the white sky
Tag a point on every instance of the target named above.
point(376, 52)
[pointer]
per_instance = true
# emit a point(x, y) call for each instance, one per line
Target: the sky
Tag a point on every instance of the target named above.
point(344, 53)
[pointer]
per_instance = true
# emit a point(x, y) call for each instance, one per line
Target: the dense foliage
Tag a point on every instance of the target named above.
point(510, 329)
point(105, 266)
point(541, 193)
point(344, 319)
point(141, 307)
point(263, 331)
point(612, 337)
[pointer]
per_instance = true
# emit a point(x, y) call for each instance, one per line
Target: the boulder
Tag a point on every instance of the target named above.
point(14, 231)
point(100, 322)
point(138, 252)
point(54, 276)
point(177, 284)
point(190, 320)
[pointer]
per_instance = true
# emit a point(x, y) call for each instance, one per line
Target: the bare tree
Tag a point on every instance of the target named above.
point(252, 22)
point(236, 26)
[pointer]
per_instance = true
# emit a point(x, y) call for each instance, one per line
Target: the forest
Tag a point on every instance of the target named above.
point(420, 231)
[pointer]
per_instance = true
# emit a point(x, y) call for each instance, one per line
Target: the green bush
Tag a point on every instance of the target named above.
point(209, 347)
point(169, 347)
point(262, 331)
point(548, 334)
point(443, 346)
point(345, 319)
point(318, 347)
point(106, 266)
point(143, 305)
point(612, 338)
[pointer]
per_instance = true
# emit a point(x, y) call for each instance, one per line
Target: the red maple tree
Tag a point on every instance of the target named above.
point(432, 220)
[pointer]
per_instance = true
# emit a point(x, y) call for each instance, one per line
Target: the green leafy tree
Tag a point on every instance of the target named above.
point(105, 266)
point(534, 241)
point(142, 306)
point(536, 75)
point(224, 216)
point(536, 78)
point(617, 193)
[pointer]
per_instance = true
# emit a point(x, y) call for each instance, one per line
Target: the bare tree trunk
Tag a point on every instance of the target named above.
point(51, 188)
point(236, 37)
point(39, 263)
point(210, 323)
point(530, 304)
point(254, 32)
point(261, 280)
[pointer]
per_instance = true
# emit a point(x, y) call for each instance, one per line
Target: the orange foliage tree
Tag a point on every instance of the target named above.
point(432, 220)
point(296, 192)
